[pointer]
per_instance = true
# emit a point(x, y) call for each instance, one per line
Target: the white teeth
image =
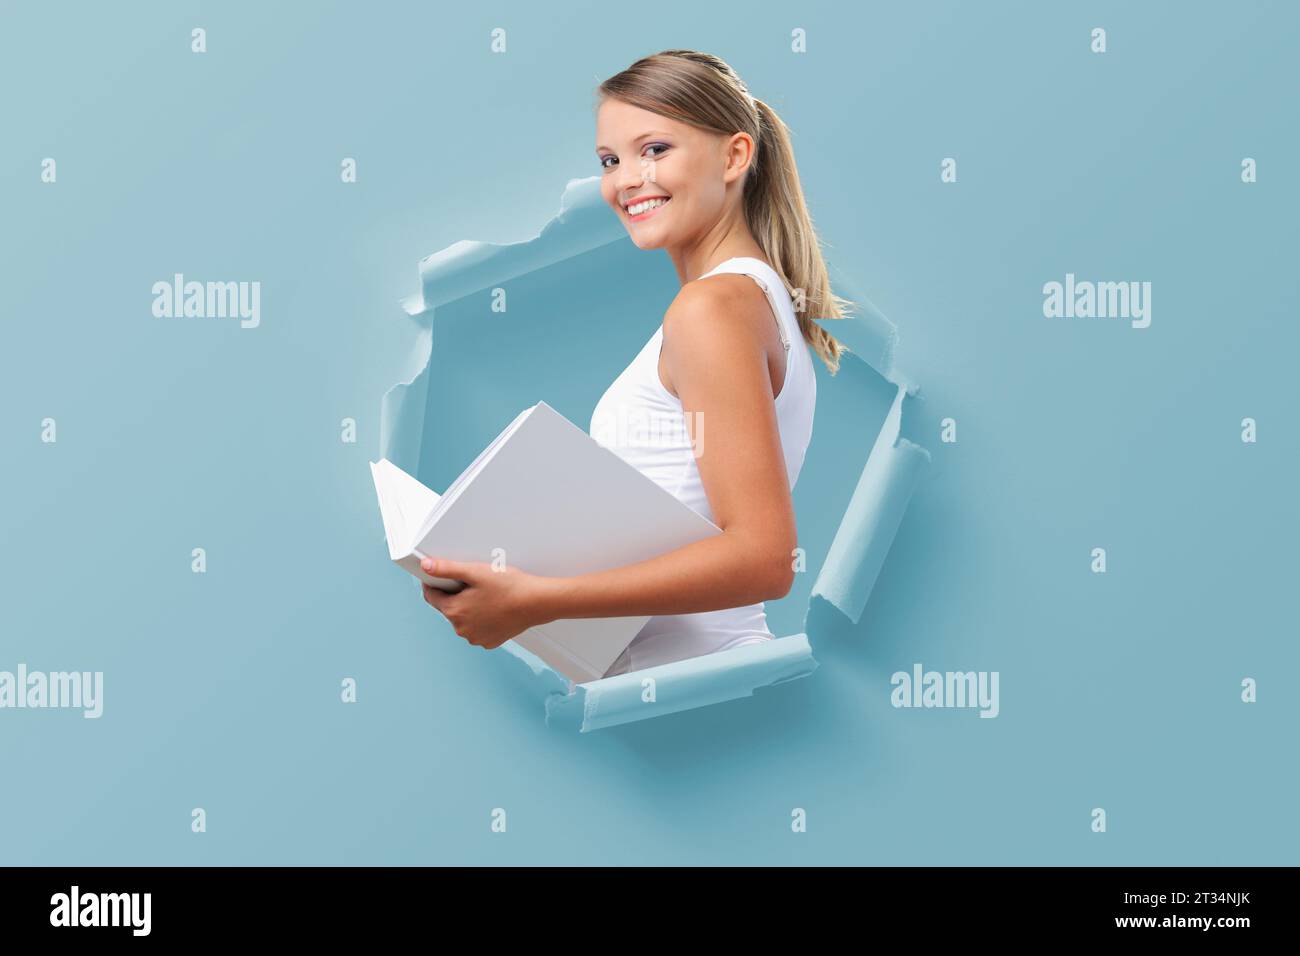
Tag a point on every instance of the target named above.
point(638, 208)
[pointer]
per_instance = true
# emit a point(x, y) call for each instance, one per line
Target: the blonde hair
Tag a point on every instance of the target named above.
point(702, 90)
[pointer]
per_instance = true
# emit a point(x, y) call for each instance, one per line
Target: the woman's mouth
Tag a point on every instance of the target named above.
point(643, 210)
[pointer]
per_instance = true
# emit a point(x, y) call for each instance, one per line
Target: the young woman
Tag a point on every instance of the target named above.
point(694, 165)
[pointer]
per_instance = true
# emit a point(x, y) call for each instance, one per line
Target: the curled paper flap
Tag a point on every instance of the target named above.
point(872, 518)
point(670, 688)
point(583, 223)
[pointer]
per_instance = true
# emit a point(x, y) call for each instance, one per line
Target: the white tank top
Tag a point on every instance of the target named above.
point(643, 423)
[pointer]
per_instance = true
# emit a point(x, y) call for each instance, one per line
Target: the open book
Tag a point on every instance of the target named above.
point(547, 498)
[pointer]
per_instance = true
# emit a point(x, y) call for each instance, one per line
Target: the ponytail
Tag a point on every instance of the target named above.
point(779, 219)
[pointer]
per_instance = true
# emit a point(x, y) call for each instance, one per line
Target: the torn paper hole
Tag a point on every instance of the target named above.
point(556, 318)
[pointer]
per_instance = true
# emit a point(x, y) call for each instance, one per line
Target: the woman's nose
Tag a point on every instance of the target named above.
point(630, 176)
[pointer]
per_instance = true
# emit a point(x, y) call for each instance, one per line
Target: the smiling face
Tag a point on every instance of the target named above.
point(667, 180)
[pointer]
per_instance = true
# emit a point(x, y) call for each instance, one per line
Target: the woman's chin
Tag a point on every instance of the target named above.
point(647, 242)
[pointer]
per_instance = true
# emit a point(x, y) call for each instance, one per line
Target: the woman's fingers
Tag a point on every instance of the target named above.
point(447, 606)
point(436, 597)
point(466, 571)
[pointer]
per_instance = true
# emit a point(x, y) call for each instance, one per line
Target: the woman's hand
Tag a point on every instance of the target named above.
point(494, 606)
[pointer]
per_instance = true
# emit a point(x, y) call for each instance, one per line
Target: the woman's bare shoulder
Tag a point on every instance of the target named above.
point(727, 308)
point(716, 333)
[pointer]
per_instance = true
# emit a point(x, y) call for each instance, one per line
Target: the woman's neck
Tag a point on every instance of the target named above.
point(696, 265)
point(712, 251)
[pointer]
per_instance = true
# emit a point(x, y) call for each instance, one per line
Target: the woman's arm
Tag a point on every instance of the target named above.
point(717, 337)
point(715, 356)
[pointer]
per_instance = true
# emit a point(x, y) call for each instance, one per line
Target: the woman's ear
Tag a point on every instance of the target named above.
point(739, 155)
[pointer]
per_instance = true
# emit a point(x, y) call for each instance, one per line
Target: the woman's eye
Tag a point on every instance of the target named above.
point(605, 160)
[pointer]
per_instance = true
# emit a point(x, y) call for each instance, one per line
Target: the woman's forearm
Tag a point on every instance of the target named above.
point(719, 572)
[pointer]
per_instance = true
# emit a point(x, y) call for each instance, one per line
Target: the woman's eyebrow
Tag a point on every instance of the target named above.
point(653, 132)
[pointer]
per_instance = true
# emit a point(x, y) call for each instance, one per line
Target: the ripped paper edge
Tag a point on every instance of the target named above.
point(675, 687)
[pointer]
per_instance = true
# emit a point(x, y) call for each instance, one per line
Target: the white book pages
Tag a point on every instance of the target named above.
point(547, 498)
point(404, 503)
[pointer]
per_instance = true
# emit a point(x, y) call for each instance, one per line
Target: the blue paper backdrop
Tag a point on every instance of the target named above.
point(1119, 690)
